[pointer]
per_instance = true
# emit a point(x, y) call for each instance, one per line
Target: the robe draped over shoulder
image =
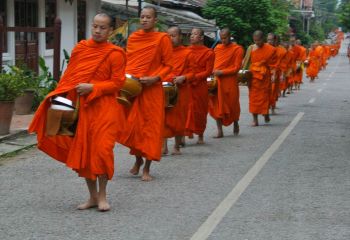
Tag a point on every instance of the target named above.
point(259, 92)
point(225, 104)
point(148, 55)
point(202, 64)
point(90, 151)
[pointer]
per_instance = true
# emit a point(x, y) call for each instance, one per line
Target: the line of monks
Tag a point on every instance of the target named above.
point(96, 74)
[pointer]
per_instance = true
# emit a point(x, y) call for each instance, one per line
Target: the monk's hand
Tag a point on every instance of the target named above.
point(84, 88)
point(179, 79)
point(148, 81)
point(218, 73)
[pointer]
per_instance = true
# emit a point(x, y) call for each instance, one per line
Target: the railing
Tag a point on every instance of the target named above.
point(57, 41)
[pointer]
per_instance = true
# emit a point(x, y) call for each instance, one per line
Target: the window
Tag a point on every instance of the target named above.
point(26, 15)
point(4, 18)
point(50, 15)
point(81, 19)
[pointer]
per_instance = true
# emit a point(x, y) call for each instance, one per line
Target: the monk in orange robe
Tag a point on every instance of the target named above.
point(176, 116)
point(262, 57)
point(96, 73)
point(224, 106)
point(272, 39)
point(300, 63)
point(319, 53)
point(203, 63)
point(313, 63)
point(148, 59)
point(286, 65)
point(296, 64)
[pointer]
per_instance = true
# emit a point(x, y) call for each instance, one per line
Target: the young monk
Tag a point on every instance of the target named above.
point(296, 64)
point(314, 62)
point(272, 39)
point(203, 63)
point(95, 73)
point(175, 117)
point(224, 106)
point(300, 60)
point(286, 65)
point(262, 57)
point(149, 59)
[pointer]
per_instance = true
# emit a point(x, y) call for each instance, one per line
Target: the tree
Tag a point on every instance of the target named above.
point(243, 17)
point(344, 14)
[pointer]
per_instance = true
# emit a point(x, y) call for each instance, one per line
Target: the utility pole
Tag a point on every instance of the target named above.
point(139, 7)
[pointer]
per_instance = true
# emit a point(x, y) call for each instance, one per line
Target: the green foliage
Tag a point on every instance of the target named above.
point(243, 17)
point(11, 86)
point(344, 15)
point(46, 83)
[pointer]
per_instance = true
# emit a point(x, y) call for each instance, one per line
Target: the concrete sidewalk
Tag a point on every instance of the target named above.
point(18, 138)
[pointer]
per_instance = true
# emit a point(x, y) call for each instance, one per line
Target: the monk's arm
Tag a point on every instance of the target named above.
point(166, 51)
point(237, 63)
point(117, 62)
point(208, 69)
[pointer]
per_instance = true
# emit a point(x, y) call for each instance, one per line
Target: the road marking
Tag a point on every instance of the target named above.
point(219, 213)
point(320, 90)
point(312, 100)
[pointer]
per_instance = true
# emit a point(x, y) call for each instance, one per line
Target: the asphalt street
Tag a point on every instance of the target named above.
point(299, 191)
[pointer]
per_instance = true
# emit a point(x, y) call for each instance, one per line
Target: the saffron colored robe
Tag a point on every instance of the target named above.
point(275, 85)
point(202, 65)
point(286, 66)
point(301, 58)
point(259, 91)
point(90, 151)
point(314, 64)
point(148, 54)
point(176, 117)
point(225, 104)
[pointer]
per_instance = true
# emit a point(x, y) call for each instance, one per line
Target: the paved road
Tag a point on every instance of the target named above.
point(302, 191)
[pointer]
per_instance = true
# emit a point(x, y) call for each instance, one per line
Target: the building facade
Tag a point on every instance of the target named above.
point(76, 17)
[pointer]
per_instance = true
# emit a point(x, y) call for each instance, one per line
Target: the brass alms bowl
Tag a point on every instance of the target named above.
point(212, 83)
point(244, 76)
point(131, 88)
point(170, 94)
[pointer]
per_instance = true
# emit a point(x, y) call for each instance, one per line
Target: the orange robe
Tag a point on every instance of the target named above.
point(90, 151)
point(259, 91)
point(319, 53)
point(286, 65)
point(176, 117)
point(225, 104)
point(296, 58)
point(202, 65)
point(148, 54)
point(275, 85)
point(314, 62)
point(301, 58)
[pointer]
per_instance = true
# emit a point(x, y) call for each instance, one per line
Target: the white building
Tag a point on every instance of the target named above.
point(76, 16)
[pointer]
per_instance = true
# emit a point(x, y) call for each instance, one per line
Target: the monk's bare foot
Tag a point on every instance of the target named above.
point(176, 151)
point(91, 203)
point(146, 176)
point(103, 205)
point(219, 135)
point(235, 129)
point(165, 152)
point(273, 112)
point(136, 168)
point(254, 124)
point(200, 140)
point(267, 118)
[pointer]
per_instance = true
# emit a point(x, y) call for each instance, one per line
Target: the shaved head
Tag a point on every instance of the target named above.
point(199, 30)
point(225, 36)
point(176, 29)
point(258, 34)
point(155, 14)
point(105, 15)
point(225, 31)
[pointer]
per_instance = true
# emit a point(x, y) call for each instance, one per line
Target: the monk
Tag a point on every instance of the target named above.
point(149, 59)
point(262, 57)
point(95, 73)
point(224, 106)
point(296, 64)
point(320, 52)
point(181, 75)
point(285, 66)
point(203, 63)
point(313, 63)
point(300, 62)
point(273, 40)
